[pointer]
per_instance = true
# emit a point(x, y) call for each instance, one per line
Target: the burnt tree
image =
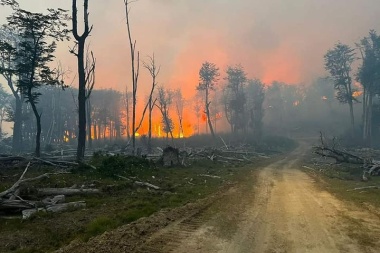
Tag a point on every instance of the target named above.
point(79, 52)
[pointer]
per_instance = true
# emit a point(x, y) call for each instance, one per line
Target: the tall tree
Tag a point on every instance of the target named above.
point(90, 67)
point(135, 73)
point(38, 35)
point(256, 95)
point(164, 101)
point(8, 44)
point(179, 103)
point(154, 70)
point(338, 62)
point(5, 104)
point(79, 52)
point(127, 99)
point(208, 77)
point(369, 76)
point(236, 82)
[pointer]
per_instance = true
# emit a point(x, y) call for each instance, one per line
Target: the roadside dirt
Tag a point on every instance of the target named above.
point(278, 208)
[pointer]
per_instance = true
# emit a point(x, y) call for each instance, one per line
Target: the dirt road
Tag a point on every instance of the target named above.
point(284, 212)
point(278, 208)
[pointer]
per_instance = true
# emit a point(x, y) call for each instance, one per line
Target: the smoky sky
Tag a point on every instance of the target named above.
point(282, 40)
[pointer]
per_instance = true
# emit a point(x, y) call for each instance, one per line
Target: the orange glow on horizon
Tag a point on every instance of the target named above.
point(357, 93)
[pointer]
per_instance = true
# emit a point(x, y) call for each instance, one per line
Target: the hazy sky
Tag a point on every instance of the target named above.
point(281, 40)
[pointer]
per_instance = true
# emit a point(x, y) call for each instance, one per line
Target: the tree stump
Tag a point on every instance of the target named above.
point(170, 157)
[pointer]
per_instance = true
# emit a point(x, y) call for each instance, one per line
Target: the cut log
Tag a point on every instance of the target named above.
point(12, 159)
point(231, 158)
point(16, 204)
point(147, 185)
point(27, 213)
point(66, 191)
point(365, 188)
point(140, 183)
point(374, 170)
point(65, 206)
point(59, 199)
point(46, 162)
point(211, 176)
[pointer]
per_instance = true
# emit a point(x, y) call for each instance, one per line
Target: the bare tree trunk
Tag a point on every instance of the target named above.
point(350, 104)
point(208, 114)
point(81, 42)
point(153, 71)
point(150, 126)
point(89, 123)
point(95, 131)
point(364, 114)
point(81, 102)
point(17, 127)
point(127, 115)
point(135, 75)
point(369, 122)
point(37, 151)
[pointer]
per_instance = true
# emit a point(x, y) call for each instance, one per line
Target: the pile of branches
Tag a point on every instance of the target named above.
point(371, 166)
point(12, 201)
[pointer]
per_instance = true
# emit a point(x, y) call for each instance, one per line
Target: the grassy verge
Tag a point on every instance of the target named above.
point(342, 179)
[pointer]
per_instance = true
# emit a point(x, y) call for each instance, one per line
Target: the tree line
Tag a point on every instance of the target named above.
point(38, 89)
point(339, 62)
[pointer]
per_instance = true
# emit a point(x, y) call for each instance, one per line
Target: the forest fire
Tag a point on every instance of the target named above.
point(357, 94)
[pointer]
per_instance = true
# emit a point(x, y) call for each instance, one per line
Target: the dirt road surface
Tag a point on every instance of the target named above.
point(278, 208)
point(284, 212)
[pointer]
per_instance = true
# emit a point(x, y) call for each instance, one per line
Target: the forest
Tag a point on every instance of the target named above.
point(99, 157)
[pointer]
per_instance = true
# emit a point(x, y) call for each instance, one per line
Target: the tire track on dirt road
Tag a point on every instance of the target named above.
point(287, 212)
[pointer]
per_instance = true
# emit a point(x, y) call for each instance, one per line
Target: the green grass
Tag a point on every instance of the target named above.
point(120, 203)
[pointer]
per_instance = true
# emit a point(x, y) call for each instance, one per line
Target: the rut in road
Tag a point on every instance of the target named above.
point(283, 212)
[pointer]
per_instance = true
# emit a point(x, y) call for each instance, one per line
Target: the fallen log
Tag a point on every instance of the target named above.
point(365, 188)
point(231, 158)
point(27, 213)
point(12, 159)
point(65, 206)
point(59, 199)
point(16, 185)
point(338, 155)
point(147, 185)
point(374, 170)
point(48, 162)
point(6, 205)
point(65, 191)
point(140, 183)
point(211, 176)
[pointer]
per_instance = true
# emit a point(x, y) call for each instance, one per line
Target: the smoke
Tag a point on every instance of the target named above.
point(274, 40)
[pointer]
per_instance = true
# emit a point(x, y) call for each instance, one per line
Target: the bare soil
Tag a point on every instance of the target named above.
point(278, 208)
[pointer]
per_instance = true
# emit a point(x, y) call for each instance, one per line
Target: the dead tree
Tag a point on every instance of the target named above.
point(135, 73)
point(208, 76)
point(8, 45)
point(90, 83)
point(153, 71)
point(340, 156)
point(127, 103)
point(163, 104)
point(79, 52)
point(179, 104)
